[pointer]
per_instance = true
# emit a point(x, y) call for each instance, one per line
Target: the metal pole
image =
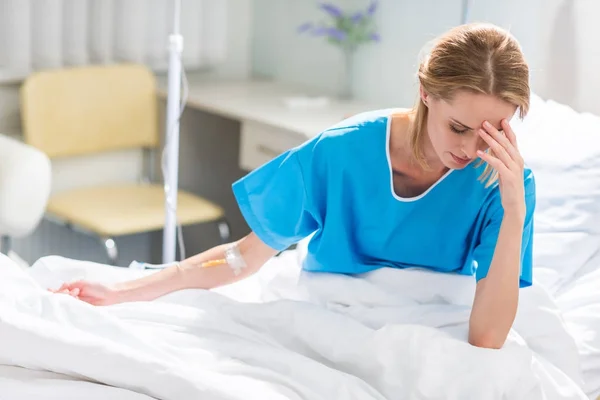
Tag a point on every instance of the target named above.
point(172, 139)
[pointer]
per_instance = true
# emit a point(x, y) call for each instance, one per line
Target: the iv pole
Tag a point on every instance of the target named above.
point(172, 138)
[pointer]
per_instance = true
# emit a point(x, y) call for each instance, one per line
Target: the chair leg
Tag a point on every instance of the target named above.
point(111, 250)
point(224, 230)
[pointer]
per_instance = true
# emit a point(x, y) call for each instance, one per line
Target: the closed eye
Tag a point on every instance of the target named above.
point(457, 130)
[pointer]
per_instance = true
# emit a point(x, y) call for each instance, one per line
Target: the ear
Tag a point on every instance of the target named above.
point(424, 95)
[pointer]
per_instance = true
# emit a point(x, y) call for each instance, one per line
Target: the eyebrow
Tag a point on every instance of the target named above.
point(460, 123)
point(468, 127)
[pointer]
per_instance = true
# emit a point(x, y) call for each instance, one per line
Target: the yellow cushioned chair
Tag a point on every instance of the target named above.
point(85, 110)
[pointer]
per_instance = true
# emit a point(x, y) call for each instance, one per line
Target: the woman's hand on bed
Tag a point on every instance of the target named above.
point(91, 292)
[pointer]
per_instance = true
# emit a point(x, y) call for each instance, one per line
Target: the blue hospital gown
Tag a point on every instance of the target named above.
point(338, 186)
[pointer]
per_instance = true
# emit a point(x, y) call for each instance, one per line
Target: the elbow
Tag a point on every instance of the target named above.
point(489, 339)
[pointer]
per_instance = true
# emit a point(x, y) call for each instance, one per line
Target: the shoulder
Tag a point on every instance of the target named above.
point(347, 144)
point(360, 132)
point(364, 120)
point(528, 182)
point(492, 199)
point(358, 126)
point(477, 170)
point(529, 179)
point(530, 191)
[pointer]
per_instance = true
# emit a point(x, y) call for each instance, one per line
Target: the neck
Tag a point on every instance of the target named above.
point(431, 158)
point(400, 147)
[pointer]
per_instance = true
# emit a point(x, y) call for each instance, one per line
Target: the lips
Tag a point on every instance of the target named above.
point(460, 160)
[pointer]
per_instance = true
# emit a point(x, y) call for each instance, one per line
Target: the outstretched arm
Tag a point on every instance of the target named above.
point(282, 202)
point(496, 296)
point(188, 274)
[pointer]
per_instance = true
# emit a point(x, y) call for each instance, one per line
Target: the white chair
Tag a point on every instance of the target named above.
point(25, 181)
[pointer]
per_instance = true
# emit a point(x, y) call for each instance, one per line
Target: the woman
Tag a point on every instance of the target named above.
point(441, 186)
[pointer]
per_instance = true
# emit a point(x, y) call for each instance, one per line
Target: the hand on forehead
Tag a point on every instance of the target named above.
point(471, 110)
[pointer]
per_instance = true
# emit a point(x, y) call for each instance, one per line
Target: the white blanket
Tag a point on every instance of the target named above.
point(391, 334)
point(580, 302)
point(25, 384)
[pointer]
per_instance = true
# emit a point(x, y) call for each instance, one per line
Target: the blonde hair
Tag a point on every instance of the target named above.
point(479, 58)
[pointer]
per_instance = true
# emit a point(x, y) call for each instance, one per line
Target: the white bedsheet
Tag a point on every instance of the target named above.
point(18, 383)
point(579, 301)
point(391, 334)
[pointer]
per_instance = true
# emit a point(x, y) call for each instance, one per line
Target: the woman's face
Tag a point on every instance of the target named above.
point(453, 126)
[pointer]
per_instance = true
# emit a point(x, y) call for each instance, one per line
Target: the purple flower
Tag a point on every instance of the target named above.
point(320, 31)
point(332, 10)
point(305, 27)
point(336, 34)
point(372, 7)
point(356, 18)
point(348, 29)
point(332, 33)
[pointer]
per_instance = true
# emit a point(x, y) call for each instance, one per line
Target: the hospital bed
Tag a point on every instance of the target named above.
point(285, 334)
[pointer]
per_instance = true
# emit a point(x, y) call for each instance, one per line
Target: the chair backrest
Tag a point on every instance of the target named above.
point(83, 110)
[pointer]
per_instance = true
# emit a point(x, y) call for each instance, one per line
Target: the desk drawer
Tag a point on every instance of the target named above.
point(261, 143)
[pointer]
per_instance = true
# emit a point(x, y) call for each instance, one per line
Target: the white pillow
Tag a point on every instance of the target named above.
point(562, 147)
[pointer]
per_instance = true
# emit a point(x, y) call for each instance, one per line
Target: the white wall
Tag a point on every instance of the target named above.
point(559, 39)
point(569, 59)
point(387, 72)
point(239, 39)
point(280, 52)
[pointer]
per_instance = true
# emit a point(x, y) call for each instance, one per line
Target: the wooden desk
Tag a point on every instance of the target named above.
point(268, 125)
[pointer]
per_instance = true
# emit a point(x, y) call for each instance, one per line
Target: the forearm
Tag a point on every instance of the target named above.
point(496, 297)
point(190, 273)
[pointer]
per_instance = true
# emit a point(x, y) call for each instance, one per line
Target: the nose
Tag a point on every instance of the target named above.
point(471, 144)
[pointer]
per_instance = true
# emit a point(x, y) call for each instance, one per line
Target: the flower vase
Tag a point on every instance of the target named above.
point(347, 90)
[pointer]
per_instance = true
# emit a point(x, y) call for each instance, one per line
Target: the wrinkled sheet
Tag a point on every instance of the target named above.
point(579, 301)
point(286, 334)
point(18, 383)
